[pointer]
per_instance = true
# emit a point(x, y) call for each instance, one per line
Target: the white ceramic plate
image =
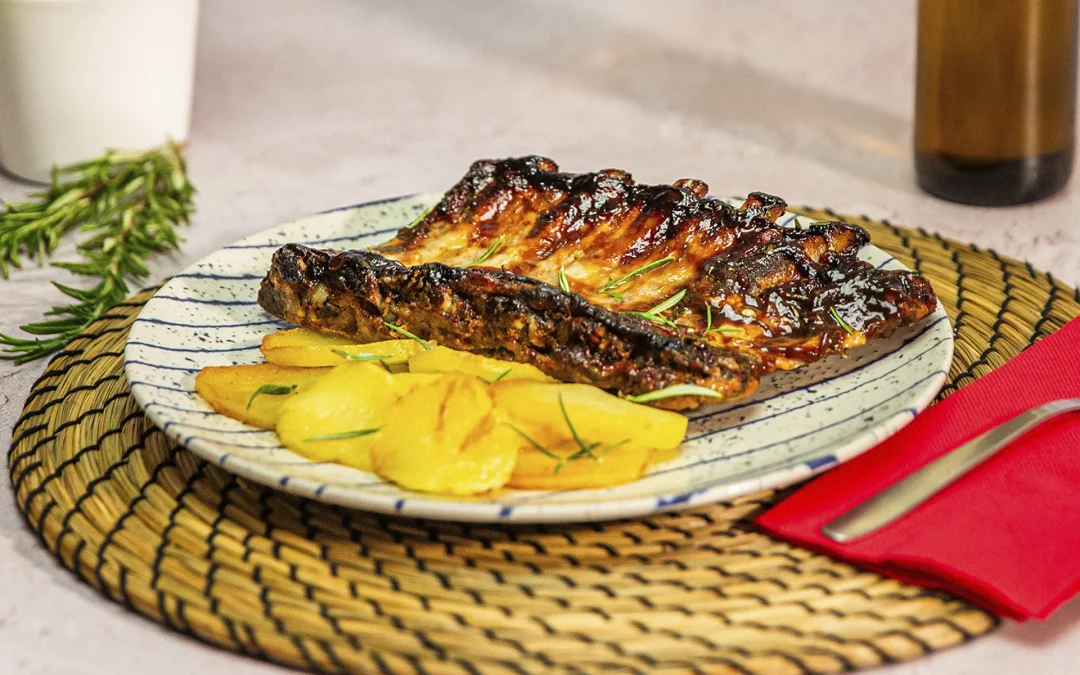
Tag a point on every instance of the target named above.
point(797, 424)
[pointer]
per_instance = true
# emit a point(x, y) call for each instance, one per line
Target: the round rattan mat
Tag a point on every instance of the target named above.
point(332, 590)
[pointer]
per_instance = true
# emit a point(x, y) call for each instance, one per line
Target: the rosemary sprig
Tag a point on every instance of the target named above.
point(417, 220)
point(843, 324)
point(499, 376)
point(539, 446)
point(273, 390)
point(672, 391)
point(361, 358)
point(343, 435)
point(563, 283)
point(128, 204)
point(613, 446)
point(718, 329)
point(633, 275)
point(655, 314)
point(486, 254)
point(585, 450)
point(401, 331)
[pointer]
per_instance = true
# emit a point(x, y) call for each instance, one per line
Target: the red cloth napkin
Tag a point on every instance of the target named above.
point(1007, 535)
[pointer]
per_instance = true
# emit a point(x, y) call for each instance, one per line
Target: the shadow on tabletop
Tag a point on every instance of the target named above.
point(1040, 633)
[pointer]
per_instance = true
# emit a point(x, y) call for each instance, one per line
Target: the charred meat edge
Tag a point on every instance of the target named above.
point(498, 314)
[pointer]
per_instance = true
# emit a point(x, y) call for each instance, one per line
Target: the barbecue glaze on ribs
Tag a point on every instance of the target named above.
point(753, 296)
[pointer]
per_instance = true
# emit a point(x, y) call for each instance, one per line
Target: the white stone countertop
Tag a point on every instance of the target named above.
point(303, 105)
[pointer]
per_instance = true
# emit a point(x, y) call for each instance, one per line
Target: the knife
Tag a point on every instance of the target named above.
point(905, 495)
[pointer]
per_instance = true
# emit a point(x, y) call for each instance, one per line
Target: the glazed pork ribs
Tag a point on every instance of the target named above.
point(597, 279)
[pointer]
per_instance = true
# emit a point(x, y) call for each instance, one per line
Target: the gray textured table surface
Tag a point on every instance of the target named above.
point(305, 105)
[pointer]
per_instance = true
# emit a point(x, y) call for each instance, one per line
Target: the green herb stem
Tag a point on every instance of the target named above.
point(585, 450)
point(673, 391)
point(582, 447)
point(360, 358)
point(499, 377)
point(344, 435)
point(401, 331)
point(417, 220)
point(128, 204)
point(271, 389)
point(840, 320)
point(644, 269)
point(486, 254)
point(655, 314)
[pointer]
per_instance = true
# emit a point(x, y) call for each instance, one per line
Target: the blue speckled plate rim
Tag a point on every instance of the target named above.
point(792, 470)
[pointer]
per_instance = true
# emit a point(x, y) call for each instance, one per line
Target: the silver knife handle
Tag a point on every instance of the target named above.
point(908, 493)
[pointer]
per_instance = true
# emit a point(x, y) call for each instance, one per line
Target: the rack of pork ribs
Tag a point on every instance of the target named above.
point(594, 278)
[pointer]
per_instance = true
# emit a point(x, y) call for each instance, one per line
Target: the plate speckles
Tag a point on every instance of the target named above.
point(797, 424)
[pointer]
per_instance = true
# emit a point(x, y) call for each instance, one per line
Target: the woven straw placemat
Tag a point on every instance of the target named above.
point(320, 587)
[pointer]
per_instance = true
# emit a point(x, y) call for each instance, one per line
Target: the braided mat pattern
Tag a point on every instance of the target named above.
point(331, 590)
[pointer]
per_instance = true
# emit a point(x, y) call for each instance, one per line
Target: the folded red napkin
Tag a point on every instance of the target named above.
point(1007, 535)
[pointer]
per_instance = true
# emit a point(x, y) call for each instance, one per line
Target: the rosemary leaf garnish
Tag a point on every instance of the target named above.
point(536, 444)
point(655, 315)
point(344, 435)
point(359, 358)
point(416, 221)
point(669, 303)
point(618, 296)
point(718, 329)
point(655, 318)
point(563, 283)
point(273, 390)
point(401, 331)
point(633, 275)
point(127, 203)
point(613, 446)
point(672, 391)
point(586, 449)
point(843, 324)
point(561, 461)
point(487, 254)
point(499, 377)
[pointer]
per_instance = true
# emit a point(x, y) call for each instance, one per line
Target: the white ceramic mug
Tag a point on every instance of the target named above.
point(78, 77)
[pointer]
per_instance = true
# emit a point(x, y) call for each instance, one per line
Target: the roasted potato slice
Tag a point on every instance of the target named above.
point(303, 347)
point(231, 390)
point(444, 437)
point(596, 416)
point(444, 360)
point(333, 420)
point(536, 470)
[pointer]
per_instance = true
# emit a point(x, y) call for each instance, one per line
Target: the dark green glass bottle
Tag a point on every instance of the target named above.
point(995, 99)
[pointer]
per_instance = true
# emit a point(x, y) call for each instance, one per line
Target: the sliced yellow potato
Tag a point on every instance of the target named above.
point(301, 337)
point(231, 390)
point(444, 360)
point(444, 437)
point(303, 347)
point(596, 416)
point(332, 420)
point(536, 470)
